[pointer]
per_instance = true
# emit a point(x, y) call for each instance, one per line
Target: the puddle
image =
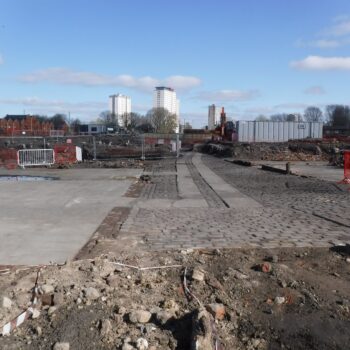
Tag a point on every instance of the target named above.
point(26, 178)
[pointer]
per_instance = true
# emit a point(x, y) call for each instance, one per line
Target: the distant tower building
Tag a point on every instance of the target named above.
point(213, 117)
point(120, 106)
point(165, 97)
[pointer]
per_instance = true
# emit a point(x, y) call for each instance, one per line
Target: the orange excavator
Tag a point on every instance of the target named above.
point(226, 129)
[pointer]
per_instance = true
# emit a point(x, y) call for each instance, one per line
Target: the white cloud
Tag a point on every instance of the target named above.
point(336, 35)
point(227, 95)
point(66, 76)
point(322, 63)
point(315, 90)
point(326, 43)
point(341, 28)
point(322, 43)
point(180, 82)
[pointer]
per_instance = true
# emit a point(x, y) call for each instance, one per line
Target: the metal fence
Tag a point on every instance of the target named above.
point(103, 147)
point(35, 157)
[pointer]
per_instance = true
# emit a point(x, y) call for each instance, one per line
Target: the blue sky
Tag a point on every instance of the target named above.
point(251, 56)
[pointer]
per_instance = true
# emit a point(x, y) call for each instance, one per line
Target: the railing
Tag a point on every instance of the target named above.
point(56, 133)
point(35, 157)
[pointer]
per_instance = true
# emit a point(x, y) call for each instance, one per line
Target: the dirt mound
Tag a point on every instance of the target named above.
point(231, 299)
point(288, 151)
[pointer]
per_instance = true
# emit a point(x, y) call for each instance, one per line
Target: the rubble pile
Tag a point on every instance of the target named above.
point(112, 164)
point(287, 151)
point(204, 300)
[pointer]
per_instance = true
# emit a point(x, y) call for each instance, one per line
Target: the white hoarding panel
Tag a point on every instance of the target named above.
point(256, 131)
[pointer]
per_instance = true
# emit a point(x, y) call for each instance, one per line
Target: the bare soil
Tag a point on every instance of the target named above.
point(313, 311)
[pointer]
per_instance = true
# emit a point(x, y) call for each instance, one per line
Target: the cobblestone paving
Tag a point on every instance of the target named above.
point(213, 200)
point(162, 165)
point(161, 187)
point(201, 228)
point(108, 230)
point(308, 195)
point(293, 213)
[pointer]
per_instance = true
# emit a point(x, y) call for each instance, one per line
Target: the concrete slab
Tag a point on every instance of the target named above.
point(188, 191)
point(155, 203)
point(233, 197)
point(191, 203)
point(317, 169)
point(51, 220)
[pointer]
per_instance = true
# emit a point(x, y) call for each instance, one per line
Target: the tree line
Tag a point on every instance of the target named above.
point(337, 116)
point(158, 120)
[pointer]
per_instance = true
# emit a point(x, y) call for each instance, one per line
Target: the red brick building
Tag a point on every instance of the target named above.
point(20, 125)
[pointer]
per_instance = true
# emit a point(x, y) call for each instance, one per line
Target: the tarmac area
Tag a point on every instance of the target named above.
point(49, 221)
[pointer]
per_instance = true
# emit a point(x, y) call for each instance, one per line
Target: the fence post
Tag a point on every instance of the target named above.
point(177, 146)
point(143, 147)
point(94, 146)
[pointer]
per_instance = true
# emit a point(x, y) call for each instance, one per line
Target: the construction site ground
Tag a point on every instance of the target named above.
point(208, 217)
point(319, 169)
point(43, 221)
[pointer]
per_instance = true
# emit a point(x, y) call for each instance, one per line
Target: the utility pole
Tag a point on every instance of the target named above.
point(177, 146)
point(143, 147)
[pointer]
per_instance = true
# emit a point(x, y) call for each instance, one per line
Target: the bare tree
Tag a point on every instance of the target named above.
point(292, 118)
point(125, 120)
point(75, 125)
point(338, 115)
point(284, 117)
point(162, 120)
point(58, 121)
point(262, 118)
point(140, 123)
point(188, 125)
point(135, 120)
point(329, 110)
point(281, 117)
point(313, 114)
point(107, 118)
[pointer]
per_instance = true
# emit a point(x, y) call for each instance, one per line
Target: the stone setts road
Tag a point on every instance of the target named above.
point(205, 202)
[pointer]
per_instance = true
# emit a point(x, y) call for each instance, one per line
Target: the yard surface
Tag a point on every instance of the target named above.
point(272, 250)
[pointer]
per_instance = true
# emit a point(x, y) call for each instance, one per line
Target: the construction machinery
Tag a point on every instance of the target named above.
point(226, 130)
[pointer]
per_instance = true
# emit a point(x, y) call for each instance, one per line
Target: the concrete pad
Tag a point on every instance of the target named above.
point(51, 220)
point(155, 203)
point(228, 193)
point(190, 203)
point(188, 190)
point(317, 169)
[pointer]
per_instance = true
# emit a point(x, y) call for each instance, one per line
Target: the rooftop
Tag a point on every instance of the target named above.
point(119, 95)
point(164, 88)
point(16, 116)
